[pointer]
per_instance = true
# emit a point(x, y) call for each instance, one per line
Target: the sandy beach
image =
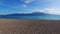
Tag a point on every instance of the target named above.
point(13, 26)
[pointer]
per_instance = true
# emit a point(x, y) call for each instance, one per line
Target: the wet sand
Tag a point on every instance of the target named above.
point(11, 26)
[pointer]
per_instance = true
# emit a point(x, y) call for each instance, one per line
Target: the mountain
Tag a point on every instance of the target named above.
point(27, 14)
point(33, 15)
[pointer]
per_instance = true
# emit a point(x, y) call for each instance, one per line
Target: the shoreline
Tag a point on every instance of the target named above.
point(12, 26)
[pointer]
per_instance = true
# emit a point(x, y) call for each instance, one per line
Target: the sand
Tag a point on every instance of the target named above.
point(13, 26)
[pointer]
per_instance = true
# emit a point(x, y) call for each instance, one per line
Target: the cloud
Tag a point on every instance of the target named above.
point(26, 2)
point(24, 6)
point(48, 11)
point(29, 1)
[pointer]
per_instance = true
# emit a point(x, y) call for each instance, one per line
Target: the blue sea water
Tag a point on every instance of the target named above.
point(37, 17)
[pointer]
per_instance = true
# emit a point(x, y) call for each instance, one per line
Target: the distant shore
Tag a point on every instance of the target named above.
point(16, 26)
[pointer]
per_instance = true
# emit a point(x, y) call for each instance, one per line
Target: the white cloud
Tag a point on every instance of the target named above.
point(29, 1)
point(24, 6)
point(49, 11)
point(18, 6)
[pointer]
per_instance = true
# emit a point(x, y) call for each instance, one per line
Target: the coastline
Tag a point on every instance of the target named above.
point(16, 26)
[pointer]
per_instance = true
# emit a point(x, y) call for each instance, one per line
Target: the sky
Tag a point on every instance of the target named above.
point(24, 6)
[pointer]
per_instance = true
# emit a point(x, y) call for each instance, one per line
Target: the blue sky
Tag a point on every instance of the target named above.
point(18, 6)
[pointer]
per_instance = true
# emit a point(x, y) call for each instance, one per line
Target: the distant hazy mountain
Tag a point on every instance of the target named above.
point(27, 14)
point(33, 15)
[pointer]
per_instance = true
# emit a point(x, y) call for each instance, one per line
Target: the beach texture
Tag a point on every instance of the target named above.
point(11, 26)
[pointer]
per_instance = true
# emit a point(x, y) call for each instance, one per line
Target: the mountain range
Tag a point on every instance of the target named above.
point(24, 15)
